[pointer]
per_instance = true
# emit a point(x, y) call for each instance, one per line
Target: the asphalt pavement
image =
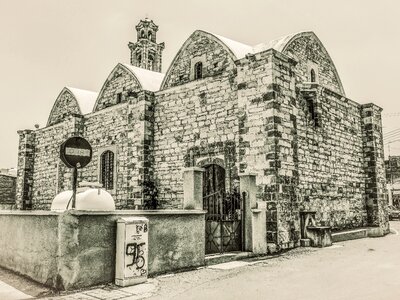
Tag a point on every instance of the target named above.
point(353, 270)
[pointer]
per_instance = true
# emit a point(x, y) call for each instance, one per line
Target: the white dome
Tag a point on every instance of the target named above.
point(86, 199)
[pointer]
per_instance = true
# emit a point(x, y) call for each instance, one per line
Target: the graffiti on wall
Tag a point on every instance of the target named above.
point(136, 250)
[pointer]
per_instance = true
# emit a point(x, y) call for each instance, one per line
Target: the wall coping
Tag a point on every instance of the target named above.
point(140, 212)
point(30, 212)
point(94, 213)
point(8, 175)
point(197, 169)
point(247, 174)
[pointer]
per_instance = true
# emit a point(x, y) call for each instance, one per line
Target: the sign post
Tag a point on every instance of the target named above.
point(75, 153)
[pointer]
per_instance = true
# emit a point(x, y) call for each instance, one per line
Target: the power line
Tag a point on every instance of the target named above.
point(387, 143)
point(391, 138)
point(396, 131)
point(393, 114)
point(393, 130)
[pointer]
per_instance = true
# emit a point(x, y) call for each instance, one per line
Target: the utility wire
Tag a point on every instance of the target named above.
point(391, 138)
point(393, 132)
point(390, 135)
point(392, 141)
point(397, 129)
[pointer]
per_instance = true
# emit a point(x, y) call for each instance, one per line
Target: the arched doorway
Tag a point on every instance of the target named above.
point(223, 218)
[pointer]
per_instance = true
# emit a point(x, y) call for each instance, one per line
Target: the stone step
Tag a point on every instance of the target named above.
point(349, 235)
point(219, 258)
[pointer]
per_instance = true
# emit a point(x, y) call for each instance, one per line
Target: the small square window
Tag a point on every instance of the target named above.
point(119, 98)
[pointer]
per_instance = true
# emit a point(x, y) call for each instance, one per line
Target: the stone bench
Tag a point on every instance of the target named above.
point(320, 236)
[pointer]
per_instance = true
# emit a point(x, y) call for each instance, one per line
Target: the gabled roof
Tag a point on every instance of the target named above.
point(145, 79)
point(85, 99)
point(149, 80)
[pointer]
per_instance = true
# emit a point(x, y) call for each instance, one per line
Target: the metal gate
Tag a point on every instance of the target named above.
point(224, 214)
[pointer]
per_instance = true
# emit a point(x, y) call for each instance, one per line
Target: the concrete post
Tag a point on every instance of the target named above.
point(253, 217)
point(390, 194)
point(193, 188)
point(26, 156)
point(259, 228)
point(374, 167)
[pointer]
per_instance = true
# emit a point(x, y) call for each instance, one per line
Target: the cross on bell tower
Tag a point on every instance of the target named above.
point(146, 53)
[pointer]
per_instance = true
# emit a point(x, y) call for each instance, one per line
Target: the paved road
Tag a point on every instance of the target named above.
point(354, 270)
point(7, 292)
point(361, 269)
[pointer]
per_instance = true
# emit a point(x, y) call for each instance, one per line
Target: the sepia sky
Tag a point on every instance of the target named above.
point(48, 44)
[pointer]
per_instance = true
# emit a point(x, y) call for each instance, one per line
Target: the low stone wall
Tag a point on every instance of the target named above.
point(76, 249)
point(29, 244)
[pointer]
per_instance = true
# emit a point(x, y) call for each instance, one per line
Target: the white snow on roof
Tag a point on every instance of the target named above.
point(86, 99)
point(149, 80)
point(239, 50)
point(277, 44)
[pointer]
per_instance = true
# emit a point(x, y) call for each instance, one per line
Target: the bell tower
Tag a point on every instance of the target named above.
point(146, 53)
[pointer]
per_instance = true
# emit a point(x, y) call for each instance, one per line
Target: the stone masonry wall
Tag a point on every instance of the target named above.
point(267, 139)
point(375, 183)
point(7, 189)
point(107, 130)
point(202, 48)
point(120, 130)
point(195, 122)
point(50, 175)
point(25, 168)
point(328, 149)
point(66, 105)
point(116, 128)
point(309, 53)
point(330, 159)
point(303, 162)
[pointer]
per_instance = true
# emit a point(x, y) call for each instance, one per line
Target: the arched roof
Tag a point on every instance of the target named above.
point(236, 50)
point(84, 100)
point(283, 43)
point(147, 80)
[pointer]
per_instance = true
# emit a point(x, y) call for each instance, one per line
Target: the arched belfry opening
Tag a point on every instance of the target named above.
point(146, 44)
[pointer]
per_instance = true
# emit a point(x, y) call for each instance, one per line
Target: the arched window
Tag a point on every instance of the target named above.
point(142, 34)
point(149, 35)
point(107, 169)
point(151, 62)
point(139, 59)
point(198, 70)
point(312, 75)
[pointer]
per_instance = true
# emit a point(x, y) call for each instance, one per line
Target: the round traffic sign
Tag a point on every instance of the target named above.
point(76, 152)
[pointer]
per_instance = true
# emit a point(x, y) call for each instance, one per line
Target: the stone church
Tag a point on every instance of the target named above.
point(277, 110)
